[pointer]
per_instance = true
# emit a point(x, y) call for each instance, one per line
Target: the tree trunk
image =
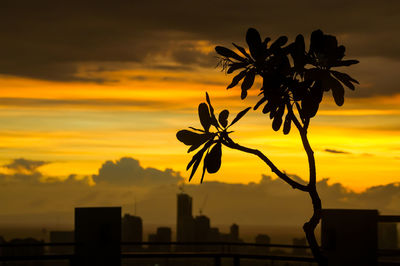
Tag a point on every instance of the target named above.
point(309, 227)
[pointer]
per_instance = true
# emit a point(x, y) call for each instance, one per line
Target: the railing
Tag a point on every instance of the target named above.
point(222, 250)
point(225, 251)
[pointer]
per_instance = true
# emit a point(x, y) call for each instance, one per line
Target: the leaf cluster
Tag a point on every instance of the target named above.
point(292, 76)
point(208, 142)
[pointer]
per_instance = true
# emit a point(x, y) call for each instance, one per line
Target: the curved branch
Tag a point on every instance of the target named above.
point(228, 142)
point(306, 145)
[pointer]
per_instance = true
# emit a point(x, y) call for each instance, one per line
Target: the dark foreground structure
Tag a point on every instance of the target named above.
point(97, 236)
point(355, 237)
point(348, 237)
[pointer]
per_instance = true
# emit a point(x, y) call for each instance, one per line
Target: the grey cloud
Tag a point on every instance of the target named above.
point(47, 41)
point(336, 151)
point(24, 165)
point(128, 171)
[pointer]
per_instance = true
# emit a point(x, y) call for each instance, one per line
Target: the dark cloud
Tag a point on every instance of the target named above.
point(24, 165)
point(336, 151)
point(268, 202)
point(42, 102)
point(127, 171)
point(41, 39)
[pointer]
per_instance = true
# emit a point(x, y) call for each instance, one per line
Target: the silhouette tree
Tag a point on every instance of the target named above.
point(294, 82)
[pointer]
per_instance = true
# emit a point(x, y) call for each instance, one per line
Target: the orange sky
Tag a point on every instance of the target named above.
point(77, 126)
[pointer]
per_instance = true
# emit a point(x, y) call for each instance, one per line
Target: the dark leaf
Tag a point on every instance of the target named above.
point(240, 115)
point(317, 91)
point(276, 124)
point(340, 52)
point(330, 43)
point(338, 93)
point(196, 159)
point(309, 106)
point(204, 115)
point(346, 63)
point(195, 165)
point(225, 52)
point(287, 124)
point(213, 159)
point(191, 138)
point(316, 74)
point(310, 101)
point(243, 94)
point(236, 79)
point(345, 79)
point(299, 42)
point(235, 66)
point(223, 118)
point(204, 169)
point(323, 78)
point(197, 145)
point(298, 54)
point(242, 50)
point(267, 108)
point(274, 109)
point(196, 129)
point(214, 121)
point(279, 42)
point(263, 99)
point(253, 40)
point(316, 43)
point(248, 80)
point(300, 89)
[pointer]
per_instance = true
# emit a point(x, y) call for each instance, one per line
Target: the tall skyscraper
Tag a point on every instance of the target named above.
point(185, 222)
point(234, 232)
point(132, 228)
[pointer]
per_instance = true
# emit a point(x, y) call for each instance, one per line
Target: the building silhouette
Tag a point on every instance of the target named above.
point(234, 230)
point(58, 237)
point(132, 231)
point(30, 249)
point(387, 235)
point(132, 228)
point(185, 225)
point(198, 229)
point(263, 239)
point(162, 235)
point(202, 228)
point(349, 237)
point(98, 236)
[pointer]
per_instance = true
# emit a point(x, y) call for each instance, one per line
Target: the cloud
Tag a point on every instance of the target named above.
point(41, 40)
point(270, 201)
point(336, 151)
point(83, 103)
point(127, 171)
point(24, 165)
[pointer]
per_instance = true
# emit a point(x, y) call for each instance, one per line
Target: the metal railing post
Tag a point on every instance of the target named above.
point(236, 261)
point(217, 261)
